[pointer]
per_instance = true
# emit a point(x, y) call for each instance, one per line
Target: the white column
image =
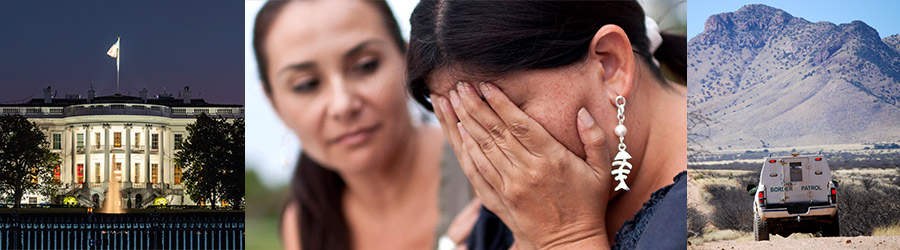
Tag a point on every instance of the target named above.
point(162, 156)
point(106, 153)
point(87, 156)
point(147, 154)
point(127, 172)
point(73, 172)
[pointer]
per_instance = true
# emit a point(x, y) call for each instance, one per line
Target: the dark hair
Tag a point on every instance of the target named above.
point(269, 12)
point(316, 189)
point(492, 38)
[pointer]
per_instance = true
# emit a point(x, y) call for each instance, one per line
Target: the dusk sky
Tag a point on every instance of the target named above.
point(165, 44)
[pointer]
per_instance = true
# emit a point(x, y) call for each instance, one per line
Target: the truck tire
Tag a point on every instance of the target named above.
point(833, 230)
point(760, 229)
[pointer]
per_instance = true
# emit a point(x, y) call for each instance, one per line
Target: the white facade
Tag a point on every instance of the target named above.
point(117, 138)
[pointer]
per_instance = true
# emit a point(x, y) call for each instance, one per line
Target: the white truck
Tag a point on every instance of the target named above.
point(795, 194)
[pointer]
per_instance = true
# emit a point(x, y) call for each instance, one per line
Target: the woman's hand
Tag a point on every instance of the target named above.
point(547, 195)
point(462, 224)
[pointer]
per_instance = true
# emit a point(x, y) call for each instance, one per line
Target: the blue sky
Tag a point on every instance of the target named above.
point(881, 15)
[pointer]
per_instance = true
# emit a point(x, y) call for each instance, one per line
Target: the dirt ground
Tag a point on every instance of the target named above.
point(821, 243)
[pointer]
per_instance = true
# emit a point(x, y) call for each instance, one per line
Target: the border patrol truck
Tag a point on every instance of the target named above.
point(795, 194)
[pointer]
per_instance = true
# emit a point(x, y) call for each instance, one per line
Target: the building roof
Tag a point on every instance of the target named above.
point(118, 98)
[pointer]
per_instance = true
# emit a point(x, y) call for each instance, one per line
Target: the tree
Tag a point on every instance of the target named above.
point(697, 129)
point(212, 159)
point(26, 162)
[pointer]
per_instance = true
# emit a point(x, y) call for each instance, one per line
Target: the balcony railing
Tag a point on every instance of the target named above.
point(123, 109)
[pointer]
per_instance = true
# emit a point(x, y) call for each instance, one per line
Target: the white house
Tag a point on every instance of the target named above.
point(127, 139)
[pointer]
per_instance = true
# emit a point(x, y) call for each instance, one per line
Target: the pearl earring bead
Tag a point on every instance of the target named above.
point(621, 130)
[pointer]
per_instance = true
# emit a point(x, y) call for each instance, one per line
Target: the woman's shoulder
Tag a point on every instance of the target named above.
point(290, 226)
point(660, 223)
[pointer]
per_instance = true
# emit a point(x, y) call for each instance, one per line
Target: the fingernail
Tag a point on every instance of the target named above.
point(461, 87)
point(444, 105)
point(434, 102)
point(485, 90)
point(462, 130)
point(454, 98)
point(585, 117)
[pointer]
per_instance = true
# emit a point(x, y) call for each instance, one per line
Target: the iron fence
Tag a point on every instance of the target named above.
point(149, 230)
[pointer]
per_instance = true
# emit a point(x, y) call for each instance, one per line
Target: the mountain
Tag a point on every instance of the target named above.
point(767, 78)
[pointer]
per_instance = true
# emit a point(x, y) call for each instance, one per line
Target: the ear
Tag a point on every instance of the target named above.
point(611, 48)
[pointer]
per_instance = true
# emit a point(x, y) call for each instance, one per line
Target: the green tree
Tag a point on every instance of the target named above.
point(212, 159)
point(26, 162)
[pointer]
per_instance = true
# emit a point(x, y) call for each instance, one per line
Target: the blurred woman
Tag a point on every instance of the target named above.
point(370, 176)
point(560, 117)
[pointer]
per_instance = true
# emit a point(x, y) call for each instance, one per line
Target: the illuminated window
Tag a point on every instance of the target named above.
point(33, 174)
point(80, 173)
point(177, 174)
point(80, 141)
point(137, 139)
point(97, 172)
point(118, 171)
point(97, 139)
point(154, 168)
point(154, 141)
point(56, 175)
point(57, 141)
point(117, 139)
point(137, 172)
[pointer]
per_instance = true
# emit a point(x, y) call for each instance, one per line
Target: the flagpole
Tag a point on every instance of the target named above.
point(118, 57)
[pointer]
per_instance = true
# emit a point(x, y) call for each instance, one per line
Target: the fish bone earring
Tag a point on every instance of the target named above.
point(621, 159)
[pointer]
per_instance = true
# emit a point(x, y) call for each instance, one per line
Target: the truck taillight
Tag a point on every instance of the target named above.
point(818, 159)
point(833, 195)
point(762, 198)
point(771, 161)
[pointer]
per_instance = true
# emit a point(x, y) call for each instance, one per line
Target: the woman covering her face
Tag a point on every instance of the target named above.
point(560, 117)
point(370, 176)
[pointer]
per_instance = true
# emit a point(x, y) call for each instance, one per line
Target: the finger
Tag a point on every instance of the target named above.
point(483, 143)
point(436, 103)
point(462, 224)
point(482, 164)
point(482, 114)
point(529, 132)
point(594, 141)
point(449, 123)
point(436, 106)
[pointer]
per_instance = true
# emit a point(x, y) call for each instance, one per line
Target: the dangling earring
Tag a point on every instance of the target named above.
point(621, 158)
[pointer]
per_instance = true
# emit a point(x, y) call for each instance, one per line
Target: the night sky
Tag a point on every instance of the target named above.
point(165, 44)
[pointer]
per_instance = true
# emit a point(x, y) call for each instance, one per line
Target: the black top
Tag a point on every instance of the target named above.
point(660, 224)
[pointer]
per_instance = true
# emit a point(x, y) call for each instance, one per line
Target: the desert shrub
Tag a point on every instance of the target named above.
point(861, 210)
point(733, 209)
point(696, 222)
point(748, 179)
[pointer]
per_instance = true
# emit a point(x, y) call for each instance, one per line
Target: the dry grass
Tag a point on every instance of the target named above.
point(860, 186)
point(888, 230)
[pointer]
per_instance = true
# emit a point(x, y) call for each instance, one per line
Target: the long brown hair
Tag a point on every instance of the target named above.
point(316, 189)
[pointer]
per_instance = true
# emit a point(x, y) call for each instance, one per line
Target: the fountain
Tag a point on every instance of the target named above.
point(112, 203)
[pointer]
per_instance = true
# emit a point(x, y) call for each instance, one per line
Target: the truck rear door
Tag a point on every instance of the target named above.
point(796, 176)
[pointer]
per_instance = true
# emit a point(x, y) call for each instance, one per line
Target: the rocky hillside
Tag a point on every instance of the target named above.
point(768, 79)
